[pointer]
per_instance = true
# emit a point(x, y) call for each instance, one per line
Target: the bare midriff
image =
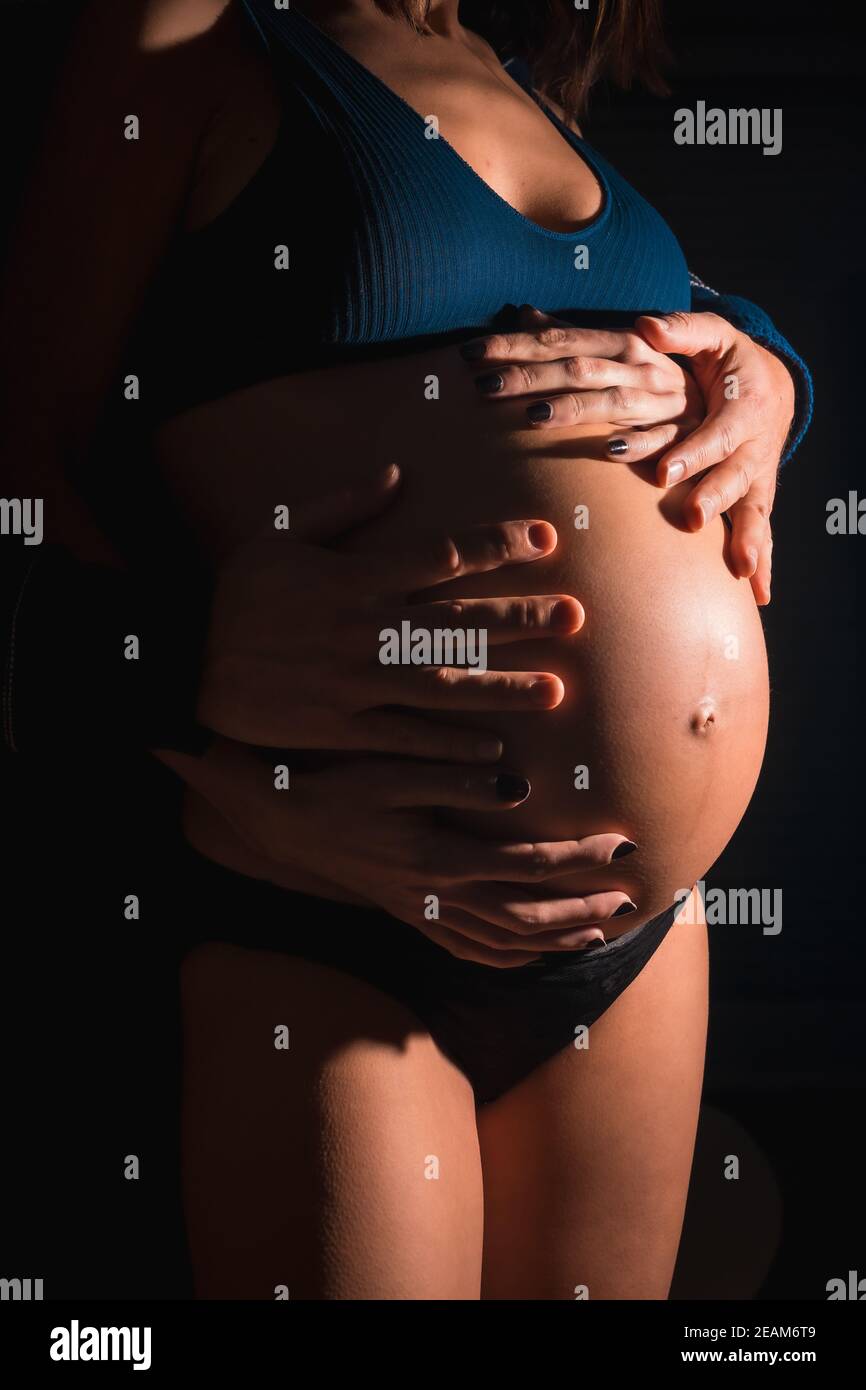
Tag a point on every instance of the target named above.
point(661, 732)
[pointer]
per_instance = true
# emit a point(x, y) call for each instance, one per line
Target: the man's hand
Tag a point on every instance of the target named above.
point(292, 658)
point(372, 826)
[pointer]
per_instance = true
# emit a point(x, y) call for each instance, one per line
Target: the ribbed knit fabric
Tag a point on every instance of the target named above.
point(434, 247)
point(392, 239)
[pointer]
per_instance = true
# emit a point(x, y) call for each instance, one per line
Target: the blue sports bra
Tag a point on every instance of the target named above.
point(391, 240)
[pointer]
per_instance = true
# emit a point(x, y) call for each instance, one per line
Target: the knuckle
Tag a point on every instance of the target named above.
point(640, 442)
point(578, 369)
point(502, 684)
point(727, 438)
point(497, 543)
point(635, 349)
point(537, 865)
point(717, 493)
point(524, 614)
point(529, 916)
point(498, 344)
point(621, 398)
point(553, 337)
point(698, 455)
point(527, 375)
point(743, 479)
point(443, 676)
point(756, 511)
point(654, 378)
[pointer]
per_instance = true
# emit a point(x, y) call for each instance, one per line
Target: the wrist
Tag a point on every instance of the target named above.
point(784, 390)
point(787, 389)
point(238, 782)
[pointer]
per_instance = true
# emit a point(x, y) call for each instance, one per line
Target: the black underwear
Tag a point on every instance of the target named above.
point(495, 1025)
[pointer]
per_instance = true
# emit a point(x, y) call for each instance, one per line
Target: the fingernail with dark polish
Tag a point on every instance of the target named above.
point(542, 410)
point(617, 446)
point(511, 788)
point(625, 908)
point(627, 847)
point(472, 351)
point(490, 383)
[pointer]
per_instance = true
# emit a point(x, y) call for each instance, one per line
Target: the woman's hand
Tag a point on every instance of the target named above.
point(371, 827)
point(580, 375)
point(749, 398)
point(292, 658)
point(735, 414)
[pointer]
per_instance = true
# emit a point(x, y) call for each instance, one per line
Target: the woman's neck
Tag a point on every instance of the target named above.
point(442, 16)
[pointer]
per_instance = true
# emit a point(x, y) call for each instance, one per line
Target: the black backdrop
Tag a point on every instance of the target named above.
point(89, 1013)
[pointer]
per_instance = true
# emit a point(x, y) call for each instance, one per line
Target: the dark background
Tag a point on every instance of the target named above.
point(89, 1009)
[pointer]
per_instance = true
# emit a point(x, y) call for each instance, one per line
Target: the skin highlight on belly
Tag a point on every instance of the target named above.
point(661, 732)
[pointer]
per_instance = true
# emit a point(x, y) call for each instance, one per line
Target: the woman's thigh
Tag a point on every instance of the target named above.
point(586, 1162)
point(344, 1165)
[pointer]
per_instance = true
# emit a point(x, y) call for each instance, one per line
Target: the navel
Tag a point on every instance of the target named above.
point(704, 717)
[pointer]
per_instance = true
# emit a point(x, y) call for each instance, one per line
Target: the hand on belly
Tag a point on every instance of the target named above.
point(661, 732)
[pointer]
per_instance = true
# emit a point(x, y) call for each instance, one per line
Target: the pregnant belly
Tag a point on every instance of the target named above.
point(661, 732)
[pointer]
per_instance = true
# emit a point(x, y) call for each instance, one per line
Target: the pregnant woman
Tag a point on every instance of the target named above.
point(412, 1071)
